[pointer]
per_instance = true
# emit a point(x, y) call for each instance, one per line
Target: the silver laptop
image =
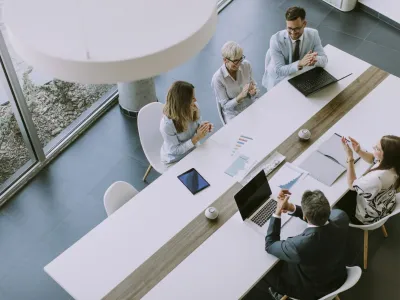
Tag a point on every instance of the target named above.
point(256, 205)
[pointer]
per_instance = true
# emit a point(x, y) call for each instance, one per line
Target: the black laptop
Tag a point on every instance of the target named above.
point(313, 80)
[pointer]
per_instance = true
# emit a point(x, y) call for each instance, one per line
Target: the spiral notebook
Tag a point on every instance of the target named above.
point(328, 162)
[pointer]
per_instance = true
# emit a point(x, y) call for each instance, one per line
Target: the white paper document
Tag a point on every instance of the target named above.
point(288, 176)
point(240, 167)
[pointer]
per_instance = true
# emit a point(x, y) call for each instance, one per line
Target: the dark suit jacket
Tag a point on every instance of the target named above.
point(315, 257)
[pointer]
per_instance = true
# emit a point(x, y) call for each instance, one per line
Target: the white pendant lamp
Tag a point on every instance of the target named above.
point(108, 41)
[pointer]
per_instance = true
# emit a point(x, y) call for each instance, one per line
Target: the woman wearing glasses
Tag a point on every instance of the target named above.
point(233, 83)
point(372, 196)
point(181, 126)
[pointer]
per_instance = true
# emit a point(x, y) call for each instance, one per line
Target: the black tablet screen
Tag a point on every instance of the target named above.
point(193, 181)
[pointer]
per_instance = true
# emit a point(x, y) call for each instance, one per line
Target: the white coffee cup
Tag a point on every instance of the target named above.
point(304, 134)
point(211, 213)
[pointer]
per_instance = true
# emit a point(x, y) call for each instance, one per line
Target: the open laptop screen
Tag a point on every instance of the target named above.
point(253, 195)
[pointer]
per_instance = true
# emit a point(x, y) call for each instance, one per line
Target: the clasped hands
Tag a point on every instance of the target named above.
point(309, 59)
point(283, 204)
point(249, 88)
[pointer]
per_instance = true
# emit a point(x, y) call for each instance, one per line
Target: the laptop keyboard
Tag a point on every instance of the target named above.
point(321, 79)
point(264, 213)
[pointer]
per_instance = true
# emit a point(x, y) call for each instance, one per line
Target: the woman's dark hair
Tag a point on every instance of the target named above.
point(295, 12)
point(391, 156)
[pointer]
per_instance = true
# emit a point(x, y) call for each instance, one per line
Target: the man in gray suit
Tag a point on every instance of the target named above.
point(292, 49)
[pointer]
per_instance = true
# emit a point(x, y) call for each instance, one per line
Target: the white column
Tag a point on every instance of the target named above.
point(134, 95)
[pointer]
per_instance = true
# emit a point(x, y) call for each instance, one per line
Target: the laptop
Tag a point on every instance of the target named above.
point(313, 80)
point(255, 204)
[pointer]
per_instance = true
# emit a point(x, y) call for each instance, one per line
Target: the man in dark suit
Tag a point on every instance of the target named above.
point(313, 263)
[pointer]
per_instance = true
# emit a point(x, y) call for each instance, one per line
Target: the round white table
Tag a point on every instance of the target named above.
point(110, 41)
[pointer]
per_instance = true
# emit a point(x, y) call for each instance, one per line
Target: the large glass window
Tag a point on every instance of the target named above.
point(57, 107)
point(16, 155)
point(37, 114)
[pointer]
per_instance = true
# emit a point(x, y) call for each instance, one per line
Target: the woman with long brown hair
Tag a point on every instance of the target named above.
point(374, 195)
point(181, 125)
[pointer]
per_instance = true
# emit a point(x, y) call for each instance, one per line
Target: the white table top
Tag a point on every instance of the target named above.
point(103, 41)
point(233, 259)
point(100, 260)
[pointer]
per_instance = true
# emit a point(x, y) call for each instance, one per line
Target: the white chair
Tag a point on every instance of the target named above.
point(150, 137)
point(264, 80)
point(117, 195)
point(353, 276)
point(219, 108)
point(380, 223)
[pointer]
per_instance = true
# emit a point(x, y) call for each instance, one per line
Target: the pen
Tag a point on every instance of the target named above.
point(342, 136)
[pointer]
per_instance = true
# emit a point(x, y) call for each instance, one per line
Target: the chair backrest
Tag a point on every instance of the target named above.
point(378, 224)
point(353, 276)
point(266, 64)
point(117, 195)
point(149, 119)
point(221, 115)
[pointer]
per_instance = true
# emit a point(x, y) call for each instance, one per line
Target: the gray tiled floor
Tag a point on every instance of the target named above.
point(65, 201)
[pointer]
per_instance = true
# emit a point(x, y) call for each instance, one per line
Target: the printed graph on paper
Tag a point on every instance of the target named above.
point(240, 143)
point(288, 176)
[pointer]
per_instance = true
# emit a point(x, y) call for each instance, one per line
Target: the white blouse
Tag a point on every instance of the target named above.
point(176, 145)
point(376, 195)
point(226, 89)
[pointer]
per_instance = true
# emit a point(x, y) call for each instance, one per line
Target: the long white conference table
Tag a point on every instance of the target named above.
point(233, 259)
point(102, 259)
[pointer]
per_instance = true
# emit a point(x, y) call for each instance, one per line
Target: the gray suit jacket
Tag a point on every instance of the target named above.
point(278, 60)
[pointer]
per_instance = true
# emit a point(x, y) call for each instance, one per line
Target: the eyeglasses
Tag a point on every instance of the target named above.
point(296, 30)
point(237, 61)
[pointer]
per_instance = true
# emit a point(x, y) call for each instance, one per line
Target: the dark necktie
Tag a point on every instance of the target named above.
point(296, 54)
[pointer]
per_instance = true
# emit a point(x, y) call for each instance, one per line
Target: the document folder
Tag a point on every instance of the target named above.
point(328, 162)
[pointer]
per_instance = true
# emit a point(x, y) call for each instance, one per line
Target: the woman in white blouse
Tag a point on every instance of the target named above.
point(375, 192)
point(181, 126)
point(233, 83)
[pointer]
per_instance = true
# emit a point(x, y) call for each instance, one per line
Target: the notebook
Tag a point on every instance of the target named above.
point(328, 162)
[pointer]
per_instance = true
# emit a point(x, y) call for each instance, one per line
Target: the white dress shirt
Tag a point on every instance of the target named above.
point(294, 44)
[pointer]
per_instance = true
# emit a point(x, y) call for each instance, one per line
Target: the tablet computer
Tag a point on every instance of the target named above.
point(193, 181)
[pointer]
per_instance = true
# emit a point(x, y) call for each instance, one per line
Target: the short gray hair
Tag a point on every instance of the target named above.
point(315, 207)
point(232, 50)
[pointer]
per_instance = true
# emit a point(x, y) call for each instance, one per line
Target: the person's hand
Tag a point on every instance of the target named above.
point(201, 132)
point(283, 204)
point(313, 61)
point(210, 126)
point(243, 93)
point(355, 145)
point(309, 58)
point(347, 148)
point(252, 88)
